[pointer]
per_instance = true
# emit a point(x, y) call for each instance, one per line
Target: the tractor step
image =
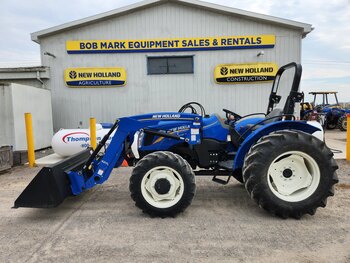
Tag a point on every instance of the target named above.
point(220, 181)
point(212, 172)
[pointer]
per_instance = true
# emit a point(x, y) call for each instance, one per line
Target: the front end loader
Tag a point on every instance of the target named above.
point(285, 168)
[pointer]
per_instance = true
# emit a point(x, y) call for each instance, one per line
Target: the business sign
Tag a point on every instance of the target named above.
point(170, 44)
point(245, 73)
point(94, 77)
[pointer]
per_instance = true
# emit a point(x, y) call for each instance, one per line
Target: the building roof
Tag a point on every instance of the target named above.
point(305, 28)
point(24, 73)
point(24, 69)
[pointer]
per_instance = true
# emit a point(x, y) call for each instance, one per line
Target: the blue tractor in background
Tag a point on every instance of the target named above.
point(285, 169)
point(334, 114)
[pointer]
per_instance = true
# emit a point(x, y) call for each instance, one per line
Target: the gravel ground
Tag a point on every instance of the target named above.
point(222, 225)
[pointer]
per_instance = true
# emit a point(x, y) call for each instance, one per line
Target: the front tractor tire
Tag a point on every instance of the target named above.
point(290, 173)
point(162, 184)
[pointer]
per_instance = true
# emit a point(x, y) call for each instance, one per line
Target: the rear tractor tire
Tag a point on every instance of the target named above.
point(290, 173)
point(342, 123)
point(162, 184)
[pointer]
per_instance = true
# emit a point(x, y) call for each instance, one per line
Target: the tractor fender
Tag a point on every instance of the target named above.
point(265, 130)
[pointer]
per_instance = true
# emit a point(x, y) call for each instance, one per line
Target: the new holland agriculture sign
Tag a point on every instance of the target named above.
point(245, 73)
point(169, 44)
point(94, 77)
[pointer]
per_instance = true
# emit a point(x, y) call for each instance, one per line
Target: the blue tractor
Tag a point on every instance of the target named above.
point(285, 169)
point(334, 114)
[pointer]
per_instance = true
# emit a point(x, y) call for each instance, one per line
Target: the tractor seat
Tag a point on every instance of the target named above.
point(274, 115)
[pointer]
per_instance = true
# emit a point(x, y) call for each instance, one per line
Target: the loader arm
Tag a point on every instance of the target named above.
point(97, 171)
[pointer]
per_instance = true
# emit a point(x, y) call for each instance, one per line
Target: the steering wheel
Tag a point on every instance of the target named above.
point(231, 116)
point(191, 105)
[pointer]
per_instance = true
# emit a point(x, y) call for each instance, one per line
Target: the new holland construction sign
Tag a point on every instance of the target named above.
point(245, 73)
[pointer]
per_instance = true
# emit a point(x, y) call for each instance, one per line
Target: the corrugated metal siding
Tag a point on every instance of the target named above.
point(152, 93)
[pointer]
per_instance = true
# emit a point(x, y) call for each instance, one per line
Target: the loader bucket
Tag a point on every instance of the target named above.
point(51, 185)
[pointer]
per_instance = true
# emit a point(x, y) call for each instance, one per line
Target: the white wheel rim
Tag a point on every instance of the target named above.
point(168, 199)
point(293, 176)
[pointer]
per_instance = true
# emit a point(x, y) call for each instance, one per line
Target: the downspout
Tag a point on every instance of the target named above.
point(39, 79)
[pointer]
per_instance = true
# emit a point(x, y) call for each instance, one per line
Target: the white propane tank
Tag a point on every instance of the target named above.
point(67, 142)
point(318, 134)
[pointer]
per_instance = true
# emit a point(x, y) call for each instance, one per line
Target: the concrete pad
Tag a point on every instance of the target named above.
point(222, 225)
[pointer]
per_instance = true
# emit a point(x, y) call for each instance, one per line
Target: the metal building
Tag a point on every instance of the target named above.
point(17, 99)
point(167, 52)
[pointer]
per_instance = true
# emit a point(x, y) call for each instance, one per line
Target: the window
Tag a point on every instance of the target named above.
point(170, 65)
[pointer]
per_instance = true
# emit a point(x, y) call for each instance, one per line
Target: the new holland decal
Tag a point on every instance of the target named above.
point(169, 44)
point(245, 73)
point(95, 77)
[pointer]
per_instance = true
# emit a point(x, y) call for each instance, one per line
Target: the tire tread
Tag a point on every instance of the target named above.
point(174, 161)
point(256, 161)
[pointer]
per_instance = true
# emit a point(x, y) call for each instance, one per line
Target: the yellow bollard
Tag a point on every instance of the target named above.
point(30, 139)
point(347, 137)
point(93, 133)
